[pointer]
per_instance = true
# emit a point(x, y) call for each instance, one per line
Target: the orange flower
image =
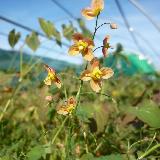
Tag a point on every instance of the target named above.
point(52, 77)
point(68, 107)
point(82, 45)
point(106, 46)
point(96, 7)
point(95, 75)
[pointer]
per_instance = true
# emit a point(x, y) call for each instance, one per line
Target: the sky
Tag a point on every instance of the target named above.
point(27, 13)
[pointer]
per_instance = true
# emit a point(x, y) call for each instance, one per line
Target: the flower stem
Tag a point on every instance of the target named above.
point(95, 30)
point(59, 130)
point(21, 62)
point(97, 48)
point(103, 25)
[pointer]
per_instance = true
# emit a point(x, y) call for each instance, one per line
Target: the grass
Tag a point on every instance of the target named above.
point(30, 126)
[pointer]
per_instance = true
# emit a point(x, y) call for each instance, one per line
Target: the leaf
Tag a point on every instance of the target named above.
point(47, 27)
point(36, 153)
point(110, 157)
point(148, 113)
point(57, 36)
point(68, 31)
point(50, 30)
point(32, 41)
point(88, 156)
point(101, 117)
point(84, 29)
point(13, 38)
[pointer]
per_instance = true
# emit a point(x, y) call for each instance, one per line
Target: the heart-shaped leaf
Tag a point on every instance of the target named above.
point(32, 41)
point(50, 30)
point(148, 113)
point(13, 38)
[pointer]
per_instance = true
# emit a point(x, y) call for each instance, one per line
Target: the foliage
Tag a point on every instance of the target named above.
point(62, 117)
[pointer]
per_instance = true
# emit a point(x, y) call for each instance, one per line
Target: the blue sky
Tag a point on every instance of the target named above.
point(27, 12)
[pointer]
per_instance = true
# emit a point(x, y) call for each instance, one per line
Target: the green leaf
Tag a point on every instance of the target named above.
point(13, 38)
point(101, 117)
point(36, 153)
point(47, 27)
point(68, 31)
point(110, 157)
point(148, 113)
point(84, 29)
point(50, 30)
point(32, 41)
point(57, 36)
point(88, 156)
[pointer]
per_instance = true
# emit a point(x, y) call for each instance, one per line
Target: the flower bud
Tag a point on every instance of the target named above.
point(49, 98)
point(113, 26)
point(106, 40)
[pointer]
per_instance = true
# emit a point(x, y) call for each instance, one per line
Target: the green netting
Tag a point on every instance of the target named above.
point(131, 65)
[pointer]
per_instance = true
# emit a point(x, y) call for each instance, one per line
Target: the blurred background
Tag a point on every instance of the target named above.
point(138, 26)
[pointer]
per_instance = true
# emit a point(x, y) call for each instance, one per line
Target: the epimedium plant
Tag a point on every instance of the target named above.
point(93, 73)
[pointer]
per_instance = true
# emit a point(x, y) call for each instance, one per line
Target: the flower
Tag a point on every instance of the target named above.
point(52, 77)
point(95, 75)
point(82, 45)
point(68, 107)
point(106, 46)
point(96, 7)
point(49, 98)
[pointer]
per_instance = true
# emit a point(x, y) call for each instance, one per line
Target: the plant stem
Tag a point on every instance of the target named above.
point(97, 48)
point(95, 30)
point(5, 108)
point(102, 25)
point(59, 130)
point(149, 151)
point(21, 62)
point(81, 83)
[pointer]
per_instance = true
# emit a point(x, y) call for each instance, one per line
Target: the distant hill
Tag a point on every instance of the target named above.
point(10, 59)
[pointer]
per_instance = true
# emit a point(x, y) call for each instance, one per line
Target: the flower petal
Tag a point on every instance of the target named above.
point(88, 13)
point(57, 82)
point(49, 69)
point(96, 85)
point(71, 101)
point(62, 111)
point(106, 72)
point(88, 54)
point(105, 52)
point(97, 5)
point(76, 37)
point(94, 63)
point(73, 50)
point(89, 42)
point(86, 75)
point(48, 81)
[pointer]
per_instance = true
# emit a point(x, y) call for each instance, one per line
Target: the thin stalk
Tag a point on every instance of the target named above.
point(103, 25)
point(97, 48)
point(59, 130)
point(95, 30)
point(21, 62)
point(5, 108)
point(149, 151)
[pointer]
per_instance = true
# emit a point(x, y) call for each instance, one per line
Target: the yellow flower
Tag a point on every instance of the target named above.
point(68, 107)
point(95, 75)
point(52, 77)
point(96, 7)
point(82, 45)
